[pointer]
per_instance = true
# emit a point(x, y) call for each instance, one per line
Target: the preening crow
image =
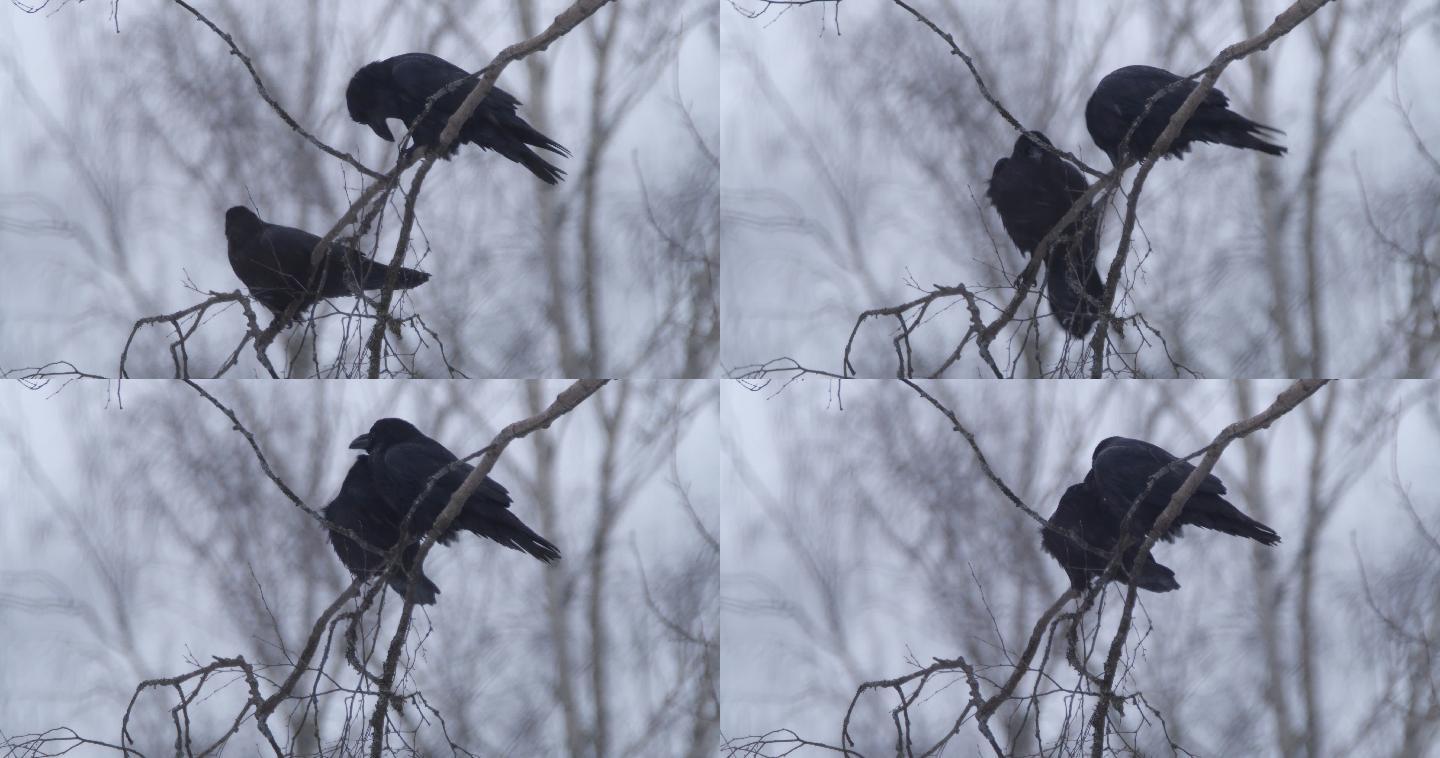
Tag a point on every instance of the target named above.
point(1031, 190)
point(1120, 471)
point(398, 88)
point(402, 460)
point(1120, 98)
point(359, 508)
point(273, 262)
point(1083, 514)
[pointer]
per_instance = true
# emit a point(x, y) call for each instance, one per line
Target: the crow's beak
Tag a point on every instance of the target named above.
point(360, 443)
point(382, 129)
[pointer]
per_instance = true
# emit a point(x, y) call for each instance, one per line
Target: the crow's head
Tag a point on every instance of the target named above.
point(366, 98)
point(1030, 150)
point(384, 433)
point(241, 222)
point(1107, 443)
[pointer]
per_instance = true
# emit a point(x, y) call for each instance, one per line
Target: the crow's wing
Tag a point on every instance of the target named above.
point(1029, 198)
point(419, 75)
point(1123, 467)
point(407, 467)
point(413, 463)
point(292, 248)
point(1139, 83)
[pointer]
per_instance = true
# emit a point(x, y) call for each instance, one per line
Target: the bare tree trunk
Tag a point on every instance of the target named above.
point(613, 421)
point(557, 584)
point(552, 210)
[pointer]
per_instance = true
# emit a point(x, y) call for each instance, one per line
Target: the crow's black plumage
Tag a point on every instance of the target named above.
point(402, 460)
point(398, 88)
point(273, 262)
point(1120, 98)
point(1083, 514)
point(1032, 190)
point(359, 508)
point(1120, 471)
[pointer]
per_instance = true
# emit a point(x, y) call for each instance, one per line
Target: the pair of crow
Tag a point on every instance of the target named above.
point(384, 500)
point(1033, 188)
point(273, 261)
point(1126, 473)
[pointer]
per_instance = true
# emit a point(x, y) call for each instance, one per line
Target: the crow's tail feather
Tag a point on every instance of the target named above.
point(425, 590)
point(538, 166)
point(1214, 512)
point(1075, 286)
point(513, 140)
point(1230, 128)
point(523, 131)
point(376, 272)
point(1075, 312)
point(1157, 578)
point(506, 528)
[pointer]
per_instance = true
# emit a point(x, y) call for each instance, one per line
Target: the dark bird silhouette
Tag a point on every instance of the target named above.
point(359, 508)
point(1084, 515)
point(273, 262)
point(1120, 98)
point(398, 88)
point(1120, 472)
point(402, 460)
point(1032, 190)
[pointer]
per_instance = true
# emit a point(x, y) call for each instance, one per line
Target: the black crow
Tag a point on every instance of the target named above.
point(1083, 514)
point(360, 509)
point(1120, 98)
point(398, 88)
point(402, 460)
point(1120, 470)
point(273, 262)
point(1031, 190)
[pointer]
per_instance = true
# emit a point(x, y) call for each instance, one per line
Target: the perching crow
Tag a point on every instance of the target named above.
point(1120, 99)
point(398, 88)
point(273, 262)
point(1083, 514)
point(1032, 190)
point(402, 460)
point(360, 509)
